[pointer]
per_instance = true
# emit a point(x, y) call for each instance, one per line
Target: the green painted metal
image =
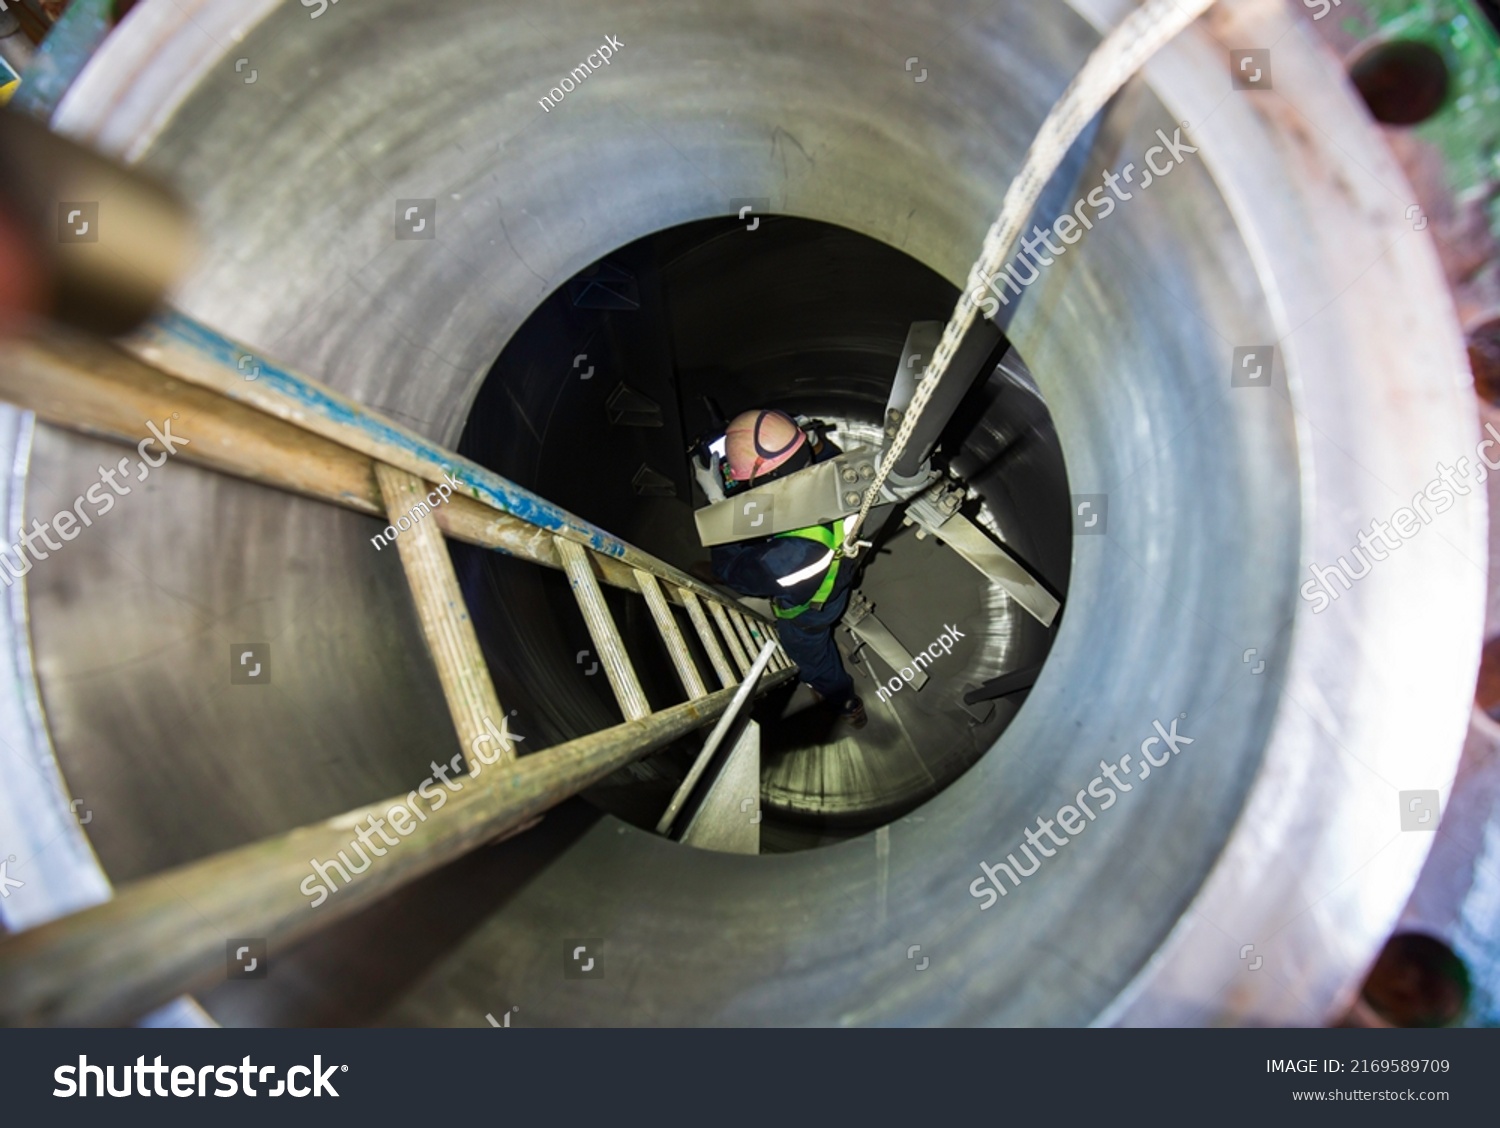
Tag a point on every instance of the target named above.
point(1467, 128)
point(63, 55)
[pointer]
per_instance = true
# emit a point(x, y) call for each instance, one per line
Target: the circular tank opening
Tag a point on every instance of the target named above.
point(594, 403)
point(1403, 82)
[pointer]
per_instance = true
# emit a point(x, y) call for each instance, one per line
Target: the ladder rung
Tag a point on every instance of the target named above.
point(706, 636)
point(755, 636)
point(743, 631)
point(444, 616)
point(736, 648)
point(671, 634)
point(762, 633)
point(759, 636)
point(602, 630)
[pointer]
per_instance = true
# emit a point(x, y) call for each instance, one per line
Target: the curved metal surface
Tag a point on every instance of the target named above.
point(1278, 827)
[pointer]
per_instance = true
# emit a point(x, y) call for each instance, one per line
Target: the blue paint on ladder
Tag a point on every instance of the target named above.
point(483, 485)
point(63, 54)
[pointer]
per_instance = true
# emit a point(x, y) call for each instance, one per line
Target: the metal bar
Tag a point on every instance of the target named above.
point(988, 556)
point(1013, 682)
point(760, 632)
point(671, 634)
point(95, 389)
point(978, 353)
point(710, 642)
point(922, 339)
point(441, 608)
point(165, 934)
point(725, 821)
point(736, 650)
point(716, 737)
point(867, 627)
point(603, 631)
point(190, 351)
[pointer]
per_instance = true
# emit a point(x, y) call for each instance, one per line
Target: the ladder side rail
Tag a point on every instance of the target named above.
point(163, 935)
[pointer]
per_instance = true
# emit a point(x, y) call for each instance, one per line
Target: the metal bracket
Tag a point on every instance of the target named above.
point(865, 626)
point(815, 496)
point(921, 342)
point(936, 506)
point(990, 557)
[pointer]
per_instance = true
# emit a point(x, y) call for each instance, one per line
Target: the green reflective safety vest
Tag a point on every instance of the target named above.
point(831, 538)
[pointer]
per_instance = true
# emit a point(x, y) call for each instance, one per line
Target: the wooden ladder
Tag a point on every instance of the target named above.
point(162, 936)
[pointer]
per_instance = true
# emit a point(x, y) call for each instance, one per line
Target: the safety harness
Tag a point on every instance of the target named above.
point(833, 540)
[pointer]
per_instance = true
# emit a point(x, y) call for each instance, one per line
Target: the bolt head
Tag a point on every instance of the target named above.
point(851, 499)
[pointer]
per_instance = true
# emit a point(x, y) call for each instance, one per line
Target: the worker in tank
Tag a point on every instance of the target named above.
point(802, 572)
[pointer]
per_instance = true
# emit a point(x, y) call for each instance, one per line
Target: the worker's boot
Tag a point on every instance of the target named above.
point(853, 711)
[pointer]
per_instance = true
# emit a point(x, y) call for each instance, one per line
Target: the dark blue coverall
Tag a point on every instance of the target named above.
point(753, 567)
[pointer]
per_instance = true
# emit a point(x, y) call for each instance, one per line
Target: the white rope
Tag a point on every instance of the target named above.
point(1123, 52)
